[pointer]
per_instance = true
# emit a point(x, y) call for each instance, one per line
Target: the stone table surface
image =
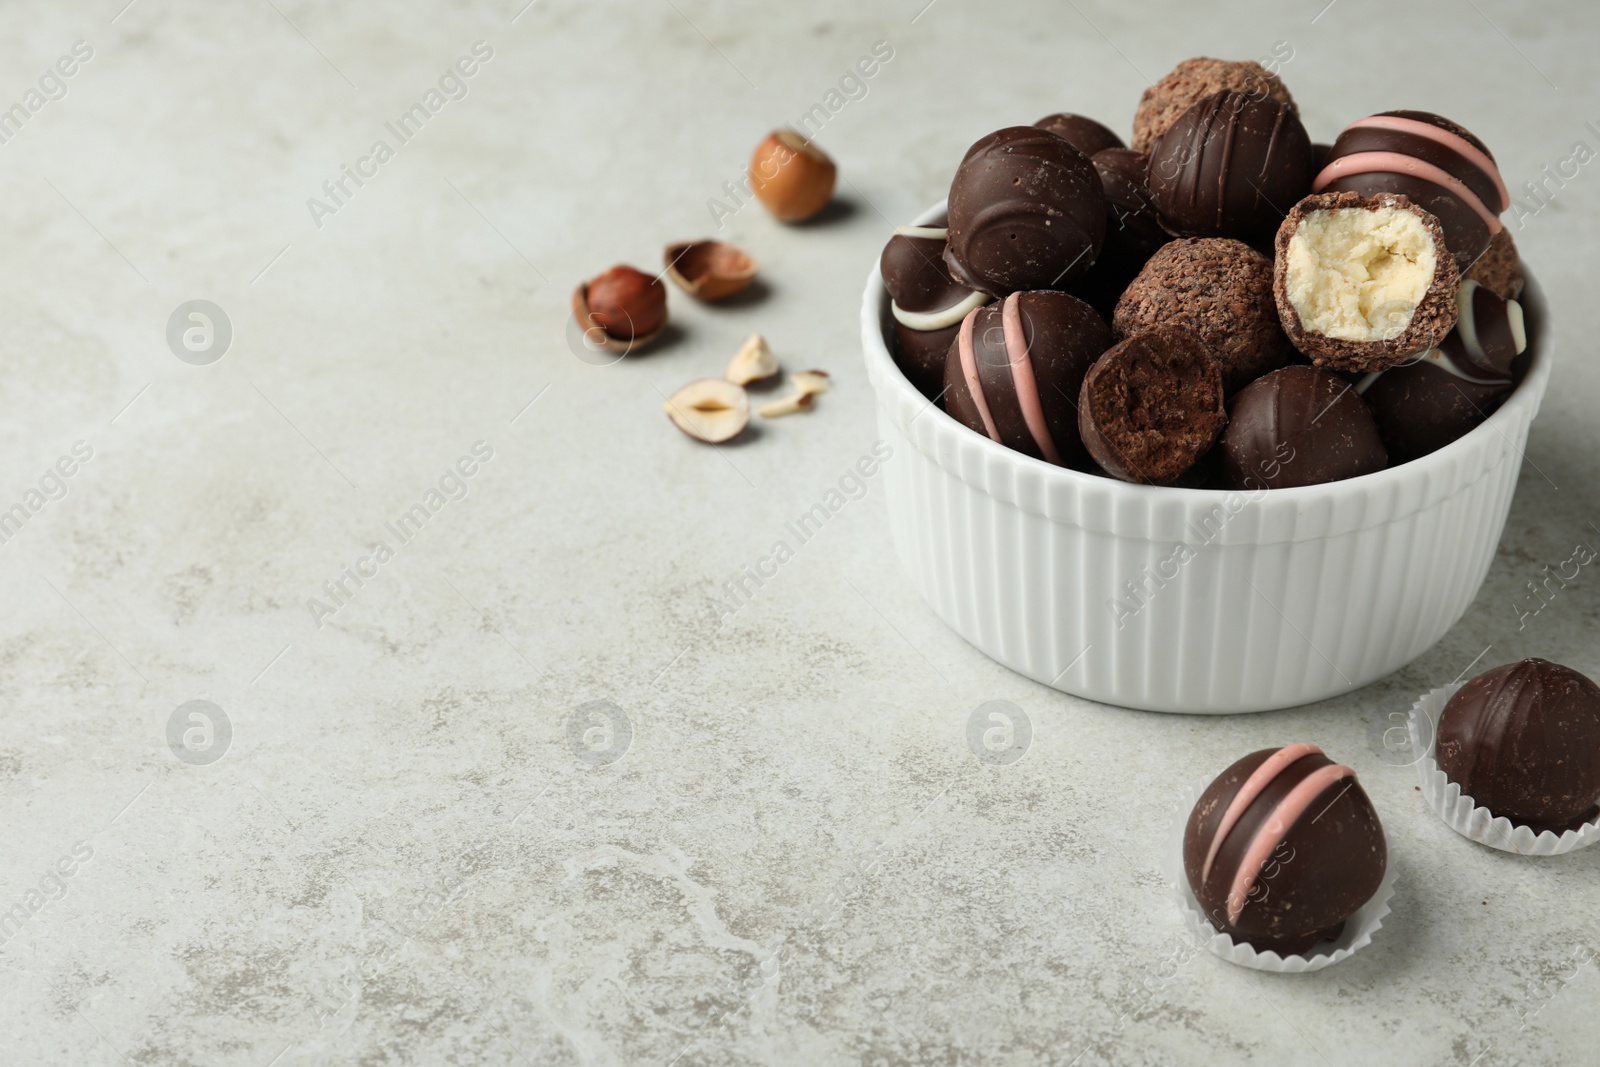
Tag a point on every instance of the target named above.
point(398, 831)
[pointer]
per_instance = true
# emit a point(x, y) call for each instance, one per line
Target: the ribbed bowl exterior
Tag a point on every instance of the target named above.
point(1191, 600)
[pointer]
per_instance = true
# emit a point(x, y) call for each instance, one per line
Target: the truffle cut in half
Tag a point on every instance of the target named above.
point(1363, 283)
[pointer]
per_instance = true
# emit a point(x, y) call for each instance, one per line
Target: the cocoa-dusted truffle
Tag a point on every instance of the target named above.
point(1014, 373)
point(1230, 166)
point(1084, 134)
point(1026, 212)
point(1500, 268)
point(1283, 848)
point(928, 305)
point(1523, 740)
point(1436, 163)
point(1193, 80)
point(1298, 426)
point(1151, 406)
point(1133, 230)
point(1363, 283)
point(1222, 290)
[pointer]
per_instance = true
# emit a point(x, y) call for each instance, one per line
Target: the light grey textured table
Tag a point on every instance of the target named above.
point(400, 857)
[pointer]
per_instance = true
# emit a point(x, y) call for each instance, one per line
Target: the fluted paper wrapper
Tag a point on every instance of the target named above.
point(1357, 933)
point(1461, 813)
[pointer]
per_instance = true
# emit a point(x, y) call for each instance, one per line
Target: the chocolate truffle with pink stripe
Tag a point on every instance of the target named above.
point(1283, 848)
point(1438, 165)
point(1016, 366)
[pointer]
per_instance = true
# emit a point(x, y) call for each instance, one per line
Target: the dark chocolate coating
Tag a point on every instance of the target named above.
point(1230, 166)
point(915, 275)
point(1487, 317)
point(1299, 426)
point(1084, 134)
point(1420, 407)
point(1319, 156)
point(1432, 319)
point(920, 355)
point(1064, 337)
point(1026, 212)
point(1330, 863)
point(1523, 740)
point(1151, 406)
point(1466, 233)
point(1133, 230)
point(1423, 405)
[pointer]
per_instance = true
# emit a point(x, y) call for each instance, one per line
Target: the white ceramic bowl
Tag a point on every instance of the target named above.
point(1276, 598)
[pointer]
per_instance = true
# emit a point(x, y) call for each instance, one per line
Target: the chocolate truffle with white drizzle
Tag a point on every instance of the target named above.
point(927, 304)
point(1015, 369)
point(1282, 848)
point(1423, 405)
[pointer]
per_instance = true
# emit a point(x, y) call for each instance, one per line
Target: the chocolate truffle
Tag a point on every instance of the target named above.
point(1084, 134)
point(1230, 166)
point(1298, 426)
point(1438, 165)
point(928, 305)
point(1151, 406)
point(1500, 268)
point(1523, 740)
point(1283, 848)
point(1363, 283)
point(1014, 373)
point(1133, 230)
point(1222, 290)
point(1026, 212)
point(1423, 405)
point(1319, 156)
point(1193, 80)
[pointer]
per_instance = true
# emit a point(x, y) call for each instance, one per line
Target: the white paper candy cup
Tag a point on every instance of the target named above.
point(1461, 813)
point(1357, 933)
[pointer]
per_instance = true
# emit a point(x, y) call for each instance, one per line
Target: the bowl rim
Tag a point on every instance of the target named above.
point(883, 373)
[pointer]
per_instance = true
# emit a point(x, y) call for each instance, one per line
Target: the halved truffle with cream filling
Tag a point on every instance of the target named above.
point(1363, 283)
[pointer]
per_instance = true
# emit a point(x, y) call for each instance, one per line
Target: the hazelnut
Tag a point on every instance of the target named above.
point(753, 362)
point(621, 309)
point(712, 410)
point(792, 176)
point(709, 270)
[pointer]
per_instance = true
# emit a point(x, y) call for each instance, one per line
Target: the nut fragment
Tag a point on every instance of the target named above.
point(807, 385)
point(791, 176)
point(712, 410)
point(753, 362)
point(786, 405)
point(812, 381)
point(708, 270)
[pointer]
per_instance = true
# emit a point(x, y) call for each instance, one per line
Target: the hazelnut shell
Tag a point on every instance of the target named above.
point(709, 270)
point(595, 335)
